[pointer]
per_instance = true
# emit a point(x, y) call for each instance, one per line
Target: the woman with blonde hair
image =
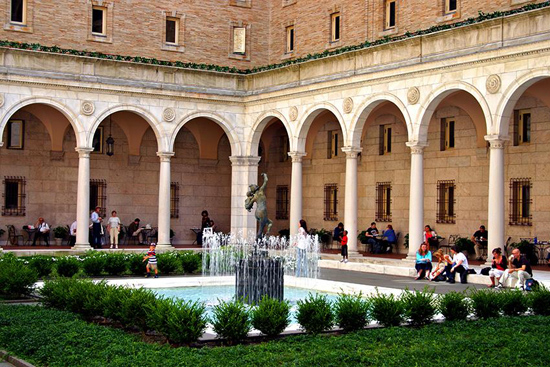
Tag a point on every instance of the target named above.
point(442, 261)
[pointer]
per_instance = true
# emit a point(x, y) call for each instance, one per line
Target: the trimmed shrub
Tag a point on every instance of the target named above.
point(539, 301)
point(168, 263)
point(485, 303)
point(16, 280)
point(113, 299)
point(351, 311)
point(56, 293)
point(136, 265)
point(388, 310)
point(271, 316)
point(513, 302)
point(180, 321)
point(453, 306)
point(67, 266)
point(231, 320)
point(420, 306)
point(115, 264)
point(93, 265)
point(43, 265)
point(190, 261)
point(314, 314)
point(135, 308)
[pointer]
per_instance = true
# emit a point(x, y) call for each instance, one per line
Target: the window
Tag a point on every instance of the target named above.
point(16, 134)
point(98, 196)
point(239, 40)
point(172, 30)
point(99, 20)
point(385, 139)
point(390, 14)
point(335, 27)
point(19, 11)
point(383, 202)
point(283, 202)
point(331, 202)
point(447, 134)
point(283, 157)
point(97, 141)
point(522, 127)
point(14, 196)
point(520, 201)
point(174, 200)
point(451, 6)
point(446, 201)
point(332, 146)
point(290, 39)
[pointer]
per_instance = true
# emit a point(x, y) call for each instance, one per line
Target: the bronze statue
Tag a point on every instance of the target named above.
point(256, 195)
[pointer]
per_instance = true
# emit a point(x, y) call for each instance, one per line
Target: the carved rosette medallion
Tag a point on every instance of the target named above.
point(87, 108)
point(169, 114)
point(493, 83)
point(2, 100)
point(348, 105)
point(413, 95)
point(293, 114)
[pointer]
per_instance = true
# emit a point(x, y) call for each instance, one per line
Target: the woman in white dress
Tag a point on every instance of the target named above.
point(301, 249)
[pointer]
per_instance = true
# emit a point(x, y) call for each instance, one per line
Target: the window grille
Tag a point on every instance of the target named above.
point(174, 200)
point(520, 202)
point(283, 203)
point(383, 202)
point(331, 202)
point(14, 196)
point(98, 196)
point(446, 201)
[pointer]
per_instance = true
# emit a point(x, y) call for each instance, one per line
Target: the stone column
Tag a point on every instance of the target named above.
point(164, 202)
point(496, 222)
point(244, 172)
point(350, 214)
point(296, 190)
point(416, 200)
point(83, 200)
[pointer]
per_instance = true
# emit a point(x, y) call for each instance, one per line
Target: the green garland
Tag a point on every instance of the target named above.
point(233, 70)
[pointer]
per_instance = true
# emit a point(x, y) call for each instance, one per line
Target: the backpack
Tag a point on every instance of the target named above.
point(485, 271)
point(531, 284)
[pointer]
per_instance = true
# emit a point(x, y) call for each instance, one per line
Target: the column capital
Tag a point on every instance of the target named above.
point(352, 152)
point(165, 156)
point(84, 152)
point(250, 160)
point(297, 157)
point(416, 146)
point(496, 141)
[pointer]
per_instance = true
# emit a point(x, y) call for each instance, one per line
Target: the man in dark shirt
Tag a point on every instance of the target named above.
point(480, 241)
point(372, 241)
point(520, 268)
point(135, 231)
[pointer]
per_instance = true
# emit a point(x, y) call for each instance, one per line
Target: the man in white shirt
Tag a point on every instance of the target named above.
point(72, 234)
point(96, 228)
point(459, 265)
point(42, 230)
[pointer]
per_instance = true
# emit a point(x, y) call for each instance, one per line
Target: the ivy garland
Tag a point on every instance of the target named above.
point(233, 70)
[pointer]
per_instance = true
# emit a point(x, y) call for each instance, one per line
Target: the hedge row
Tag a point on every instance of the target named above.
point(184, 322)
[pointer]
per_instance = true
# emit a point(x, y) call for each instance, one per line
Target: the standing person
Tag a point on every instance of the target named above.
point(301, 249)
point(371, 234)
point(205, 223)
point(423, 264)
point(344, 247)
point(459, 265)
point(520, 268)
point(480, 241)
point(338, 232)
point(96, 228)
point(152, 263)
point(498, 266)
point(113, 228)
point(430, 237)
point(42, 230)
point(72, 234)
point(390, 239)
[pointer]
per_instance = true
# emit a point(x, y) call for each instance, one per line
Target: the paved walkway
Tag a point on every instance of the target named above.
point(6, 364)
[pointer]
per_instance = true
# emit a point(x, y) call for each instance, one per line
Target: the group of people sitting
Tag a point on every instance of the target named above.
point(380, 243)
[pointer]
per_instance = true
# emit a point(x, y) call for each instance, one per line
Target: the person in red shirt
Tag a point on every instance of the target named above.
point(344, 243)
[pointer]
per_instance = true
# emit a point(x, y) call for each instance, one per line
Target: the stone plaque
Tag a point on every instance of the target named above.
point(239, 40)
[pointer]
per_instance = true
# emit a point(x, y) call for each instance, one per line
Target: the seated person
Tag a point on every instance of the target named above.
point(430, 237)
point(372, 241)
point(459, 265)
point(498, 266)
point(479, 239)
point(72, 234)
point(520, 269)
point(390, 239)
point(423, 264)
point(42, 230)
point(442, 261)
point(338, 233)
point(135, 231)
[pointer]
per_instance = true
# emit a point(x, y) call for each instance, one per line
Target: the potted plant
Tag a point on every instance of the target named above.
point(60, 233)
point(362, 237)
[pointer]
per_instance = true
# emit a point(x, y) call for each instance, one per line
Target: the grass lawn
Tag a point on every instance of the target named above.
point(54, 338)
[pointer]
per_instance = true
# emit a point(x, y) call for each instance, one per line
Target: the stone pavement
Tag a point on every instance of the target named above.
point(6, 364)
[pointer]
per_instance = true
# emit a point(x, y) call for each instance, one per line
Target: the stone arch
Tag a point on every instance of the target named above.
point(309, 117)
point(146, 115)
point(65, 110)
point(227, 127)
point(364, 110)
point(259, 126)
point(511, 96)
point(433, 100)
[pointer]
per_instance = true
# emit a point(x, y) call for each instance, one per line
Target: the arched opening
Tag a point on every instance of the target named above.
point(39, 168)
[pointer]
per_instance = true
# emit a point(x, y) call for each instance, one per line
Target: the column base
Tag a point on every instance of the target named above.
point(81, 247)
point(164, 247)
